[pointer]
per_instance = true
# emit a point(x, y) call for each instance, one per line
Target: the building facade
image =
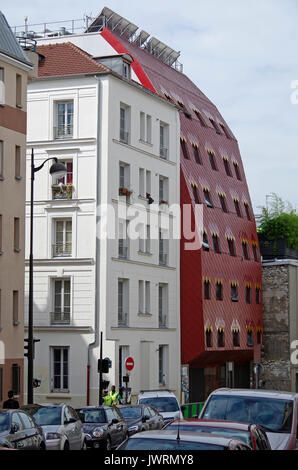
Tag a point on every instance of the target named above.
point(14, 70)
point(105, 128)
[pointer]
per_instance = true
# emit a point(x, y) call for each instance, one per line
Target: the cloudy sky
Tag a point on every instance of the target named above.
point(242, 55)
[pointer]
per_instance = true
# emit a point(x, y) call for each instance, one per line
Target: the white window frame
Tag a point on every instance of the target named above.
point(162, 365)
point(123, 301)
point(54, 248)
point(62, 349)
point(124, 124)
point(164, 140)
point(65, 134)
point(62, 295)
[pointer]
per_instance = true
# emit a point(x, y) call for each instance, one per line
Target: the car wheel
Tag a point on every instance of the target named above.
point(66, 446)
point(108, 444)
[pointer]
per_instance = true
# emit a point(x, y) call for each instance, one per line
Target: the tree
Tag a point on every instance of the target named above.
point(279, 221)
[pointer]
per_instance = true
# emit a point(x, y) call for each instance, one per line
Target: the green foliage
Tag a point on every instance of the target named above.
point(279, 221)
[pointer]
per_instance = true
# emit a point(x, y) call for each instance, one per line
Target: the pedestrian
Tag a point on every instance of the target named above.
point(11, 403)
point(115, 396)
point(106, 399)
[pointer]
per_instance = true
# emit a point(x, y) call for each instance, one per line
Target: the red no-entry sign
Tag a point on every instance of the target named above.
point(129, 363)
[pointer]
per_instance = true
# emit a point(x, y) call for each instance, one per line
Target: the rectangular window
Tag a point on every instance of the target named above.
point(62, 238)
point(223, 203)
point(15, 307)
point(163, 190)
point(255, 252)
point(2, 87)
point(147, 297)
point(248, 294)
point(196, 195)
point(214, 124)
point(163, 305)
point(163, 249)
point(234, 293)
point(62, 188)
point(16, 379)
point(216, 244)
point(220, 339)
point(16, 234)
point(219, 291)
point(200, 118)
point(247, 211)
point(17, 162)
point(19, 90)
point(212, 161)
point(1, 240)
point(245, 250)
point(258, 295)
point(250, 339)
point(124, 180)
point(144, 297)
point(142, 127)
point(59, 369)
point(207, 197)
point(225, 131)
point(141, 296)
point(197, 154)
point(164, 141)
point(236, 338)
point(123, 240)
point(227, 167)
point(207, 290)
point(64, 120)
point(61, 301)
point(124, 124)
point(184, 149)
point(205, 242)
point(162, 377)
point(148, 129)
point(237, 171)
point(123, 302)
point(209, 338)
point(1, 159)
point(237, 208)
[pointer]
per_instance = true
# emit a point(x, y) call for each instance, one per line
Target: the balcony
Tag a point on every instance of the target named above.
point(124, 136)
point(60, 318)
point(63, 132)
point(61, 249)
point(62, 191)
point(163, 259)
point(163, 152)
point(163, 321)
point(122, 319)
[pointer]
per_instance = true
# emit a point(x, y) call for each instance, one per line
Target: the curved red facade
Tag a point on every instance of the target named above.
point(236, 324)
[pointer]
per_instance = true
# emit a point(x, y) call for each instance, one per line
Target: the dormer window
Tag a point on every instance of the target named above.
point(120, 64)
point(126, 70)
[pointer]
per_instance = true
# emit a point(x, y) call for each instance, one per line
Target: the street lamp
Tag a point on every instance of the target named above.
point(58, 170)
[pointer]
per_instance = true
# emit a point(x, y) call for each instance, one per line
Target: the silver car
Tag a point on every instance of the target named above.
point(60, 424)
point(275, 411)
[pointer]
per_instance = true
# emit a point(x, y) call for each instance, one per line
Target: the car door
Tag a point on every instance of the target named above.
point(150, 423)
point(70, 428)
point(30, 430)
point(78, 428)
point(157, 418)
point(18, 437)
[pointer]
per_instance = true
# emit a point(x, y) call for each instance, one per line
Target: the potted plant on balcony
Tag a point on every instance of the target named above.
point(124, 192)
point(62, 191)
point(69, 190)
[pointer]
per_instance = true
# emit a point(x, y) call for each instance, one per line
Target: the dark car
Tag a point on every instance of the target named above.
point(171, 440)
point(141, 418)
point(19, 431)
point(251, 434)
point(103, 426)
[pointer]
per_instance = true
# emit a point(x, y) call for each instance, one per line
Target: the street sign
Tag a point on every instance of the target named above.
point(129, 363)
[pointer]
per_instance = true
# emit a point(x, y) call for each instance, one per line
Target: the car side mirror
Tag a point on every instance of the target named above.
point(115, 421)
point(145, 418)
point(14, 428)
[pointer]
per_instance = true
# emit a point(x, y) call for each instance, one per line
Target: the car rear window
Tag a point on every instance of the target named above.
point(224, 432)
point(92, 415)
point(164, 444)
point(273, 414)
point(163, 404)
point(133, 412)
point(48, 416)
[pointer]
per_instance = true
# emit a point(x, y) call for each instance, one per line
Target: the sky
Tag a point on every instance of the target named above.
point(240, 54)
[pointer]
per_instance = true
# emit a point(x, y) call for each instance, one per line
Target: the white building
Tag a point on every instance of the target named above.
point(120, 143)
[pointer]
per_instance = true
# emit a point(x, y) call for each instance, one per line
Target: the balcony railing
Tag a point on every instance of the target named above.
point(163, 152)
point(62, 249)
point(60, 318)
point(124, 136)
point(122, 319)
point(162, 321)
point(163, 259)
point(63, 132)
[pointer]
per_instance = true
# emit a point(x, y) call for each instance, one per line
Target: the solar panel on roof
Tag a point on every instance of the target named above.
point(141, 38)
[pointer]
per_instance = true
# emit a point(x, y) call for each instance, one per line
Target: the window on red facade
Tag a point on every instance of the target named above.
point(255, 252)
point(245, 250)
point(258, 295)
point(227, 167)
point(196, 195)
point(223, 203)
point(232, 247)
point(236, 338)
point(184, 149)
point(237, 208)
point(247, 211)
point(197, 154)
point(225, 131)
point(206, 246)
point(237, 171)
point(212, 161)
point(250, 338)
point(216, 244)
point(220, 339)
point(207, 197)
point(200, 118)
point(259, 337)
point(207, 290)
point(209, 338)
point(215, 125)
point(219, 290)
point(234, 293)
point(248, 294)
point(169, 98)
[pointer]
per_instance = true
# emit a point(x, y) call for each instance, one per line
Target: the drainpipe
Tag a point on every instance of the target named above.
point(95, 343)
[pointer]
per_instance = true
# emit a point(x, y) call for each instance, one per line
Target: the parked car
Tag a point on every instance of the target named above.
point(140, 418)
point(60, 424)
point(19, 431)
point(276, 412)
point(163, 401)
point(172, 440)
point(252, 434)
point(103, 426)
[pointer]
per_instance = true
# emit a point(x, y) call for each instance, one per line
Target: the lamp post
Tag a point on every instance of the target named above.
point(58, 170)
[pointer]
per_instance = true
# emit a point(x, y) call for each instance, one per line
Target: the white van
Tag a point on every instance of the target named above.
point(163, 401)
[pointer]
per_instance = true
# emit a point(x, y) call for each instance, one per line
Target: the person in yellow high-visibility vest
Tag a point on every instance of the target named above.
point(106, 399)
point(115, 396)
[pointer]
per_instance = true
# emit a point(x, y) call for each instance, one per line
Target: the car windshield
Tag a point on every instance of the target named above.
point(225, 432)
point(48, 416)
point(164, 404)
point(133, 412)
point(164, 444)
point(88, 415)
point(4, 422)
point(273, 414)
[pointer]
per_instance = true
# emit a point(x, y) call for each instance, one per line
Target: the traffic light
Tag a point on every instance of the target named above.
point(26, 347)
point(103, 365)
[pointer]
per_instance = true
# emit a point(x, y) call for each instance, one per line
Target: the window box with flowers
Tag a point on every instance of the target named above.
point(62, 191)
